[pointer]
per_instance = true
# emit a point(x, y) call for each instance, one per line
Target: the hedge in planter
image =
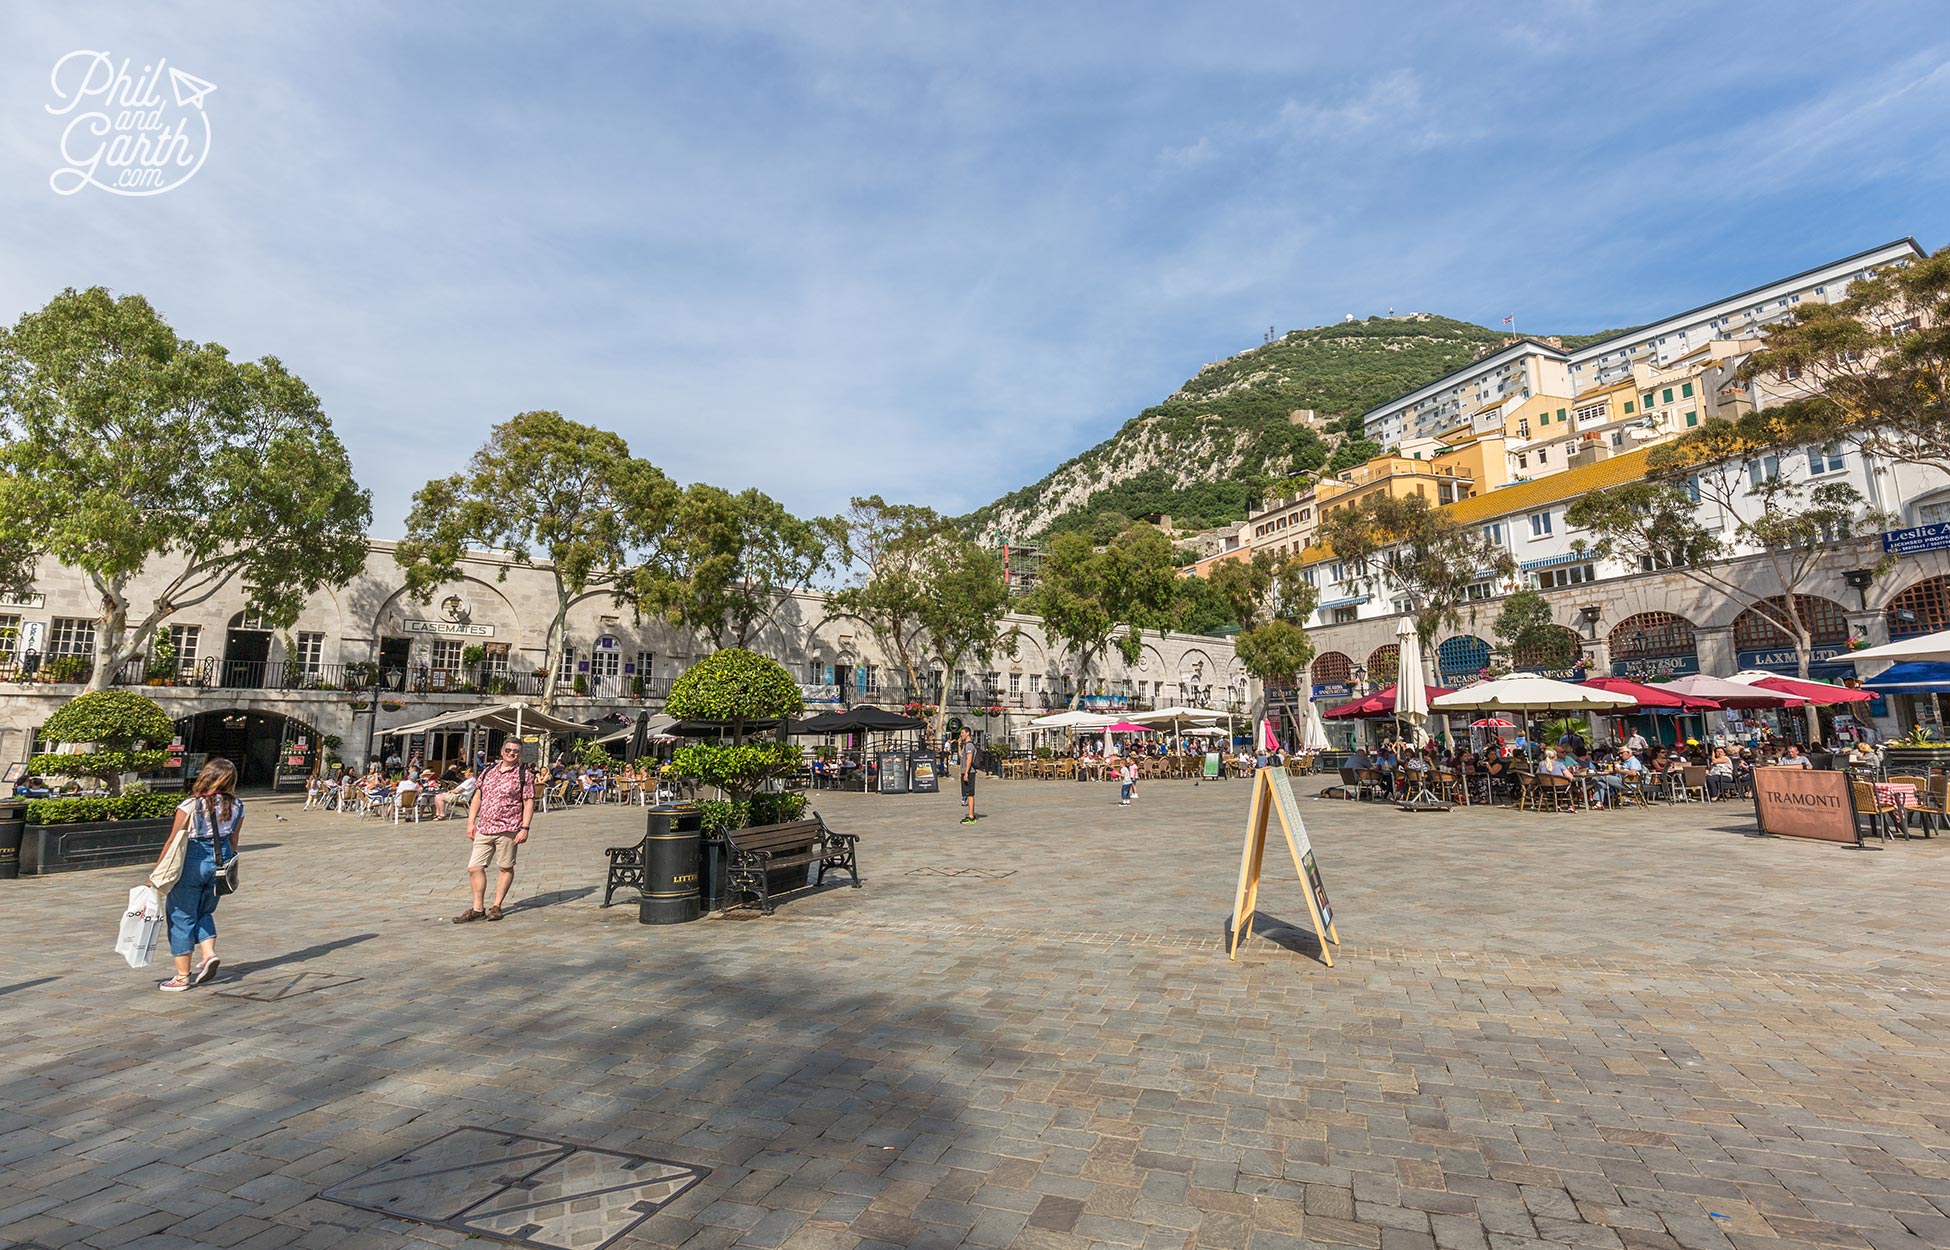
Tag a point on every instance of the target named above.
point(82, 811)
point(118, 724)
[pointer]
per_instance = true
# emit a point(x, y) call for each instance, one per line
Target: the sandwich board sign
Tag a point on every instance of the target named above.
point(1273, 796)
point(1806, 803)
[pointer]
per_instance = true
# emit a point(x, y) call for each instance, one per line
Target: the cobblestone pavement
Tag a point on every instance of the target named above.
point(1647, 1030)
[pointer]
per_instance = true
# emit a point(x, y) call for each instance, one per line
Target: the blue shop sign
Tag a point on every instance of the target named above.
point(1656, 666)
point(1917, 539)
point(1821, 662)
point(1341, 691)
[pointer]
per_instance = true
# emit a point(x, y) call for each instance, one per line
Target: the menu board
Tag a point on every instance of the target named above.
point(924, 773)
point(1273, 798)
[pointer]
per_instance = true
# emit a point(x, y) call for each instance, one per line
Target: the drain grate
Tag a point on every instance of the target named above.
point(986, 874)
point(299, 984)
point(532, 1191)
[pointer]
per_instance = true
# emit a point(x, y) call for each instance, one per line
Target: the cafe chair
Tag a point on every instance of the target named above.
point(1693, 783)
point(1926, 803)
point(1884, 817)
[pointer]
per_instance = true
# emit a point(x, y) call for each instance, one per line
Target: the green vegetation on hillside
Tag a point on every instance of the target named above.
point(1224, 442)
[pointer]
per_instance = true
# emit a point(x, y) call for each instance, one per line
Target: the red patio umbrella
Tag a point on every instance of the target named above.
point(1377, 706)
point(1816, 692)
point(1492, 722)
point(1652, 696)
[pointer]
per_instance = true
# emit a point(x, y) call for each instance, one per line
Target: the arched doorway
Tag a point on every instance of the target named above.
point(1653, 644)
point(270, 750)
point(1461, 659)
point(1761, 641)
point(246, 651)
point(1922, 609)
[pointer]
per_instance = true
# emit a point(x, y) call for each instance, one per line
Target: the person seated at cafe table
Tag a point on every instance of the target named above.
point(1792, 758)
point(1719, 774)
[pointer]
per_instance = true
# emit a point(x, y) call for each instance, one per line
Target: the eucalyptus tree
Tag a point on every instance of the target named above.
point(732, 560)
point(127, 452)
point(545, 487)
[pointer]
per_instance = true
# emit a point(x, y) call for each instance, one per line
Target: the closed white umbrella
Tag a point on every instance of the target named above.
point(1313, 731)
point(1411, 697)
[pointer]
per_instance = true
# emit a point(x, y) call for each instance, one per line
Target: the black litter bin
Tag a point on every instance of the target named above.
point(672, 863)
point(13, 824)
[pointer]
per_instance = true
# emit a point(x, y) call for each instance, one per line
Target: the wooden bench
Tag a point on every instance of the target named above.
point(756, 852)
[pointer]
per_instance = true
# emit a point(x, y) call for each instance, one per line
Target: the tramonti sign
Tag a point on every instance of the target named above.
point(1805, 803)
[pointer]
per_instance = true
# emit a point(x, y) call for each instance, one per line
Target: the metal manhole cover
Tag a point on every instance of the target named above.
point(986, 874)
point(532, 1191)
point(292, 987)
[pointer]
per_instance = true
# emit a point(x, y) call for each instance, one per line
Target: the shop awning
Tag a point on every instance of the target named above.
point(1913, 677)
point(503, 716)
point(1567, 558)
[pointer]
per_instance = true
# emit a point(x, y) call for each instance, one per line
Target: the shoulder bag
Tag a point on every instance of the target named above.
point(226, 872)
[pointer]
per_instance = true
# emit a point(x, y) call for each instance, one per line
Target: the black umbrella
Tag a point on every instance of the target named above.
point(819, 723)
point(872, 720)
point(640, 740)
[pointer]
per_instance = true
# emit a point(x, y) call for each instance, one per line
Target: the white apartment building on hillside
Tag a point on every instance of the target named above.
point(1477, 396)
point(1734, 317)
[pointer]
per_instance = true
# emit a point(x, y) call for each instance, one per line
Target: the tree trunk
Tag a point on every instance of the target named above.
point(1803, 645)
point(112, 643)
point(558, 639)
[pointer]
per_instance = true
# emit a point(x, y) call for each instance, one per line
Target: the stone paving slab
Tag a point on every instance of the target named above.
point(1643, 1030)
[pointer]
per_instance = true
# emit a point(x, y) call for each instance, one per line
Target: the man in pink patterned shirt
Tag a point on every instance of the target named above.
point(497, 823)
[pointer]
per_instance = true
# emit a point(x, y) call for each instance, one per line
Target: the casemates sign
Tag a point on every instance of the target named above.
point(453, 628)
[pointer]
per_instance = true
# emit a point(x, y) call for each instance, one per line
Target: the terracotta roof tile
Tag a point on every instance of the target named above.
point(1555, 488)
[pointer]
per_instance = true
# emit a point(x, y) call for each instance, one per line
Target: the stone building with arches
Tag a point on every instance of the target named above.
point(366, 656)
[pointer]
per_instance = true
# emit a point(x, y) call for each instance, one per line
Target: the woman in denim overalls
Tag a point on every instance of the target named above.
point(214, 816)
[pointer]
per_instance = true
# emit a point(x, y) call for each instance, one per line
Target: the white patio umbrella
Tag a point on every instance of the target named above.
point(1073, 720)
point(1527, 693)
point(1411, 696)
point(1313, 731)
point(1923, 647)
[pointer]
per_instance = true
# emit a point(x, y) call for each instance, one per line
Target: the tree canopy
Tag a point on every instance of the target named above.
point(1092, 599)
point(125, 449)
point(1529, 634)
point(1880, 358)
point(545, 486)
point(732, 559)
point(1419, 555)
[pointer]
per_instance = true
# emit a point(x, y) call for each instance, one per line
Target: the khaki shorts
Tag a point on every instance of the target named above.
point(499, 847)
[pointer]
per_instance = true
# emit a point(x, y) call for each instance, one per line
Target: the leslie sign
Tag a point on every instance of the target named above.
point(1804, 803)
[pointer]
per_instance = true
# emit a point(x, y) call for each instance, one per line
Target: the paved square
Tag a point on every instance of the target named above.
point(1648, 1030)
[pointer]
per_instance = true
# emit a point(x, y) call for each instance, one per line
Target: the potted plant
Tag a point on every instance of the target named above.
point(472, 654)
point(581, 684)
point(391, 705)
point(118, 729)
point(1915, 752)
point(161, 664)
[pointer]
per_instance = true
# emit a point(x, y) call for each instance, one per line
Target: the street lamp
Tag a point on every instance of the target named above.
point(1859, 580)
point(1589, 614)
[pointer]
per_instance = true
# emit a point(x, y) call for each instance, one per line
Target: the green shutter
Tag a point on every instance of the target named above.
point(1692, 418)
point(1686, 391)
point(1648, 401)
point(1666, 395)
point(1628, 407)
point(1560, 414)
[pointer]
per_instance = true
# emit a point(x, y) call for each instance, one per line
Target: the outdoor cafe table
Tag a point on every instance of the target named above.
point(1901, 794)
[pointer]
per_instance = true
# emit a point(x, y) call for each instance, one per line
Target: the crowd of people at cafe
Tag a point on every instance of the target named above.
point(1609, 773)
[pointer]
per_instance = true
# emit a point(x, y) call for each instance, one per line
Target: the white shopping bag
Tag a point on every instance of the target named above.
point(141, 925)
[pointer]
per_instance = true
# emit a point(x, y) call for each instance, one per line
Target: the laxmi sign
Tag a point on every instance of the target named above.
point(461, 628)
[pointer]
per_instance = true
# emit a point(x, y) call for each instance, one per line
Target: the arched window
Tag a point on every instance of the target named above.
point(1461, 657)
point(1384, 663)
point(1922, 609)
point(250, 618)
point(1759, 628)
point(1536, 657)
point(1331, 667)
point(1653, 636)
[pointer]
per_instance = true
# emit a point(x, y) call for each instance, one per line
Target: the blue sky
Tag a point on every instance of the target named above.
point(931, 251)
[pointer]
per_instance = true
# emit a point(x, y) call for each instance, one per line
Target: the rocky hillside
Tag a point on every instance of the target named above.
point(1228, 436)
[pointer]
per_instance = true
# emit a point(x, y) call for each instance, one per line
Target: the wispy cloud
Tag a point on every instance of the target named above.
point(926, 251)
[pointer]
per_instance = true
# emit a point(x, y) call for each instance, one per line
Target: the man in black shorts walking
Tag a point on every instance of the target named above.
point(967, 747)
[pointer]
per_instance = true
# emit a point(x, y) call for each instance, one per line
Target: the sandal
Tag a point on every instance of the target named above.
point(494, 913)
point(208, 970)
point(176, 984)
point(471, 913)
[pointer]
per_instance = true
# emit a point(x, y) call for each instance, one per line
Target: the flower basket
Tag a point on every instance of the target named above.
point(391, 705)
point(358, 705)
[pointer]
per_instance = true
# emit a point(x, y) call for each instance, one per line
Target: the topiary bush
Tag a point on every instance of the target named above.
point(78, 811)
point(739, 769)
point(775, 807)
point(120, 724)
point(734, 687)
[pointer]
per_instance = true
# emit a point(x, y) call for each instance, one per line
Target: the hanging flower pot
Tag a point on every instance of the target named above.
point(391, 705)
